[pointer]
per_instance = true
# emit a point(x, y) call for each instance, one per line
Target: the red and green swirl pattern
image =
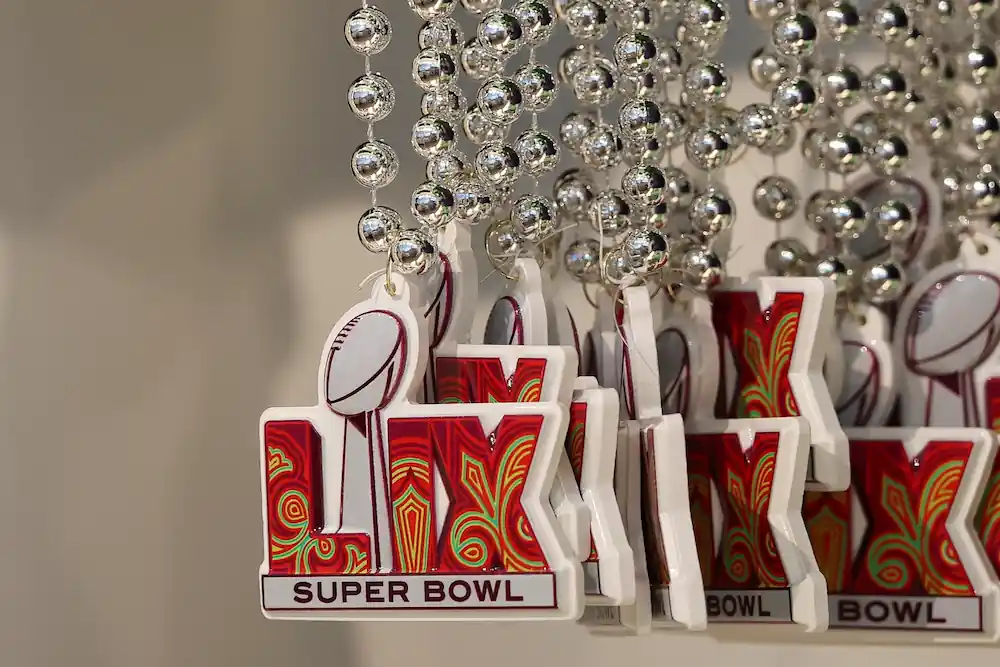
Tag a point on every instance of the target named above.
point(988, 517)
point(576, 440)
point(482, 380)
point(828, 520)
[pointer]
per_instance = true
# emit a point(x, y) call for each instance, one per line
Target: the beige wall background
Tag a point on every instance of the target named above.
point(176, 238)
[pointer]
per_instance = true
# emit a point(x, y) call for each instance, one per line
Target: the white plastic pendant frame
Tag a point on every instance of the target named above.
point(870, 377)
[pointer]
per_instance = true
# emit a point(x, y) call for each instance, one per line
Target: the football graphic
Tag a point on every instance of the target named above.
point(505, 325)
point(366, 363)
point(674, 361)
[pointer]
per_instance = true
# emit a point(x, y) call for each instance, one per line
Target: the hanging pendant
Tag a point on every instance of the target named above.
point(870, 391)
point(688, 360)
point(366, 504)
point(898, 549)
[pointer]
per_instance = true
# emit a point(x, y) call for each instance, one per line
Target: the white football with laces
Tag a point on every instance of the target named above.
point(365, 363)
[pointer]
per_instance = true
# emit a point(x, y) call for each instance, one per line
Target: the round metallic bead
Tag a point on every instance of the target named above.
point(840, 20)
point(782, 142)
point(673, 125)
point(500, 100)
point(870, 125)
point(701, 269)
point(433, 205)
point(498, 164)
point(895, 220)
point(477, 62)
point(432, 136)
point(374, 164)
point(886, 87)
point(846, 218)
point(587, 20)
point(935, 127)
point(474, 201)
point(479, 130)
point(583, 261)
point(883, 282)
point(433, 69)
point(765, 11)
point(570, 62)
point(413, 252)
point(594, 83)
point(840, 270)
point(637, 16)
point(430, 9)
point(708, 147)
point(842, 152)
point(679, 190)
point(669, 62)
point(890, 22)
point(500, 33)
point(538, 85)
point(841, 86)
point(368, 30)
point(536, 19)
point(442, 34)
point(371, 97)
point(617, 270)
point(538, 152)
point(533, 218)
point(651, 151)
point(378, 227)
point(766, 69)
point(888, 155)
point(711, 213)
point(640, 120)
point(447, 167)
point(609, 214)
point(787, 257)
point(981, 127)
point(648, 86)
point(576, 126)
point(644, 185)
point(776, 198)
point(981, 193)
point(706, 17)
point(977, 64)
point(602, 149)
point(706, 82)
point(635, 53)
point(448, 103)
point(573, 191)
point(794, 34)
point(645, 251)
point(817, 209)
point(503, 246)
point(795, 97)
point(758, 124)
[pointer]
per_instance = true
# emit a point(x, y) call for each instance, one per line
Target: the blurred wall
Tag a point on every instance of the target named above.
point(176, 239)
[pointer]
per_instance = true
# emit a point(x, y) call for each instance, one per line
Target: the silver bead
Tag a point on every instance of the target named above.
point(587, 20)
point(473, 201)
point(883, 282)
point(646, 251)
point(840, 20)
point(888, 155)
point(481, 6)
point(846, 218)
point(787, 257)
point(573, 191)
point(842, 152)
point(609, 216)
point(669, 62)
point(374, 164)
point(477, 62)
point(977, 64)
point(502, 245)
point(794, 98)
point(538, 152)
point(378, 227)
point(368, 30)
point(576, 126)
point(648, 86)
point(782, 141)
point(652, 151)
point(673, 125)
point(678, 188)
point(894, 220)
point(570, 62)
point(594, 84)
point(708, 147)
point(500, 100)
point(413, 252)
point(538, 85)
point(711, 213)
point(982, 127)
point(758, 124)
point(706, 17)
point(765, 11)
point(617, 270)
point(602, 149)
point(701, 269)
point(766, 69)
point(794, 34)
point(433, 205)
point(890, 22)
point(432, 137)
point(536, 19)
point(430, 9)
point(583, 261)
point(448, 103)
point(481, 131)
point(870, 125)
point(442, 34)
point(639, 120)
point(776, 198)
point(445, 168)
point(935, 127)
point(644, 185)
point(839, 270)
point(498, 164)
point(635, 53)
point(886, 87)
point(639, 16)
point(371, 97)
point(706, 82)
point(841, 86)
point(981, 193)
point(533, 218)
point(817, 209)
point(500, 33)
point(433, 69)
